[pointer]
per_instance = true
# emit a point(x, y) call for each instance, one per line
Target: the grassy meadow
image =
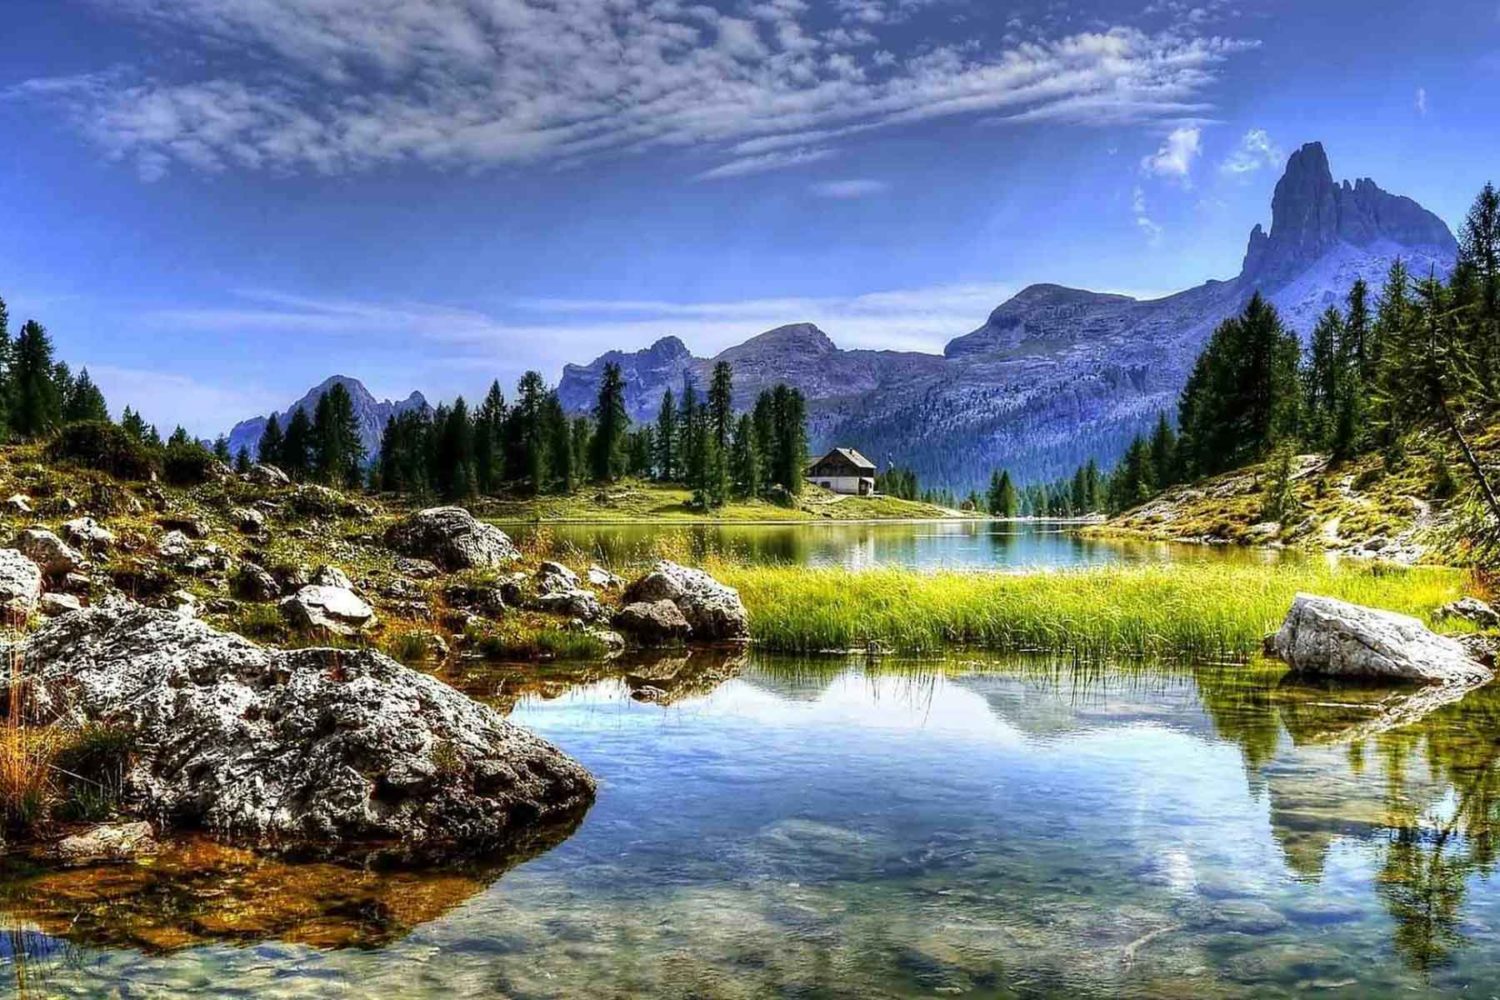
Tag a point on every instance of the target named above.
point(1187, 612)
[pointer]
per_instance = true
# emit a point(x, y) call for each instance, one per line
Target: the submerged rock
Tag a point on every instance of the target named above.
point(713, 609)
point(453, 539)
point(344, 749)
point(108, 842)
point(1326, 636)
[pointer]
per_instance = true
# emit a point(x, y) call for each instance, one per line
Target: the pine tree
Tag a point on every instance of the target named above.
point(1476, 282)
point(242, 461)
point(269, 448)
point(297, 446)
point(36, 405)
point(84, 401)
point(526, 437)
point(489, 445)
point(667, 439)
point(454, 461)
point(7, 355)
point(1005, 502)
point(1321, 378)
point(561, 464)
point(221, 449)
point(611, 424)
point(1163, 449)
point(721, 405)
point(746, 458)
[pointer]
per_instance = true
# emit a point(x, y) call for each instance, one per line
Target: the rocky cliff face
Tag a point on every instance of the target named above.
point(1057, 375)
point(371, 414)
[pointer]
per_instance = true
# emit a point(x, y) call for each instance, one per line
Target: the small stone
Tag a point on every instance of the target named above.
point(331, 576)
point(602, 578)
point(331, 608)
point(248, 520)
point(174, 547)
point(267, 475)
point(1470, 609)
point(87, 533)
point(184, 603)
point(18, 504)
point(253, 583)
point(417, 569)
point(20, 581)
point(53, 605)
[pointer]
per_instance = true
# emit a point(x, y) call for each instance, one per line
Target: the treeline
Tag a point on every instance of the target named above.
point(1421, 358)
point(41, 398)
point(531, 445)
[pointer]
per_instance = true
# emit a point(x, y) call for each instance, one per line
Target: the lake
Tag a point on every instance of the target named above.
point(780, 828)
point(957, 544)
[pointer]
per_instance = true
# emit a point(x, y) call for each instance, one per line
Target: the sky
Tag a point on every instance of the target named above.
point(215, 204)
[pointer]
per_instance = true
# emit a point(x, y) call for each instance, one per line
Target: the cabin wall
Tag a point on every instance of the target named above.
point(849, 485)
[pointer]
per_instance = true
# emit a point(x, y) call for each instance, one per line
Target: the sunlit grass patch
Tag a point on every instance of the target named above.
point(1193, 611)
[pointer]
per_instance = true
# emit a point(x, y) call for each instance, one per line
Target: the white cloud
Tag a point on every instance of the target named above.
point(1143, 219)
point(1175, 157)
point(168, 400)
point(1422, 101)
point(1256, 150)
point(845, 190)
point(344, 85)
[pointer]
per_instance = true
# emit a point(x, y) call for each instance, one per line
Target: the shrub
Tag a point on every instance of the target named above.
point(99, 444)
point(95, 760)
point(187, 463)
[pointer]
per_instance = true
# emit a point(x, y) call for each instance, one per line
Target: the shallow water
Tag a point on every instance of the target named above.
point(918, 544)
point(768, 827)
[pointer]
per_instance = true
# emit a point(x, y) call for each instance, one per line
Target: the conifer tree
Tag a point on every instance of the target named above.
point(489, 446)
point(526, 438)
point(562, 465)
point(242, 462)
point(269, 448)
point(297, 446)
point(1321, 377)
point(36, 404)
point(221, 449)
point(667, 454)
point(1163, 449)
point(84, 400)
point(611, 424)
point(746, 457)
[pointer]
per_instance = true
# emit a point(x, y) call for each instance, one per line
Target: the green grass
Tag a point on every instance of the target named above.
point(509, 640)
point(637, 501)
point(1189, 612)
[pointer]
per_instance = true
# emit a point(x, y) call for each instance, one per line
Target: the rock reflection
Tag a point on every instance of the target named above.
point(664, 677)
point(197, 891)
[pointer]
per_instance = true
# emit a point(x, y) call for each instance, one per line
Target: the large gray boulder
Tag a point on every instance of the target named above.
point(342, 749)
point(714, 610)
point(452, 538)
point(55, 556)
point(331, 609)
point(1326, 636)
point(20, 581)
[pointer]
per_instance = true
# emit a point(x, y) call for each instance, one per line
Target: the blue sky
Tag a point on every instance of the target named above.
point(216, 203)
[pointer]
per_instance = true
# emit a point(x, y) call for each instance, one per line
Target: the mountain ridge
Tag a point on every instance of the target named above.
point(370, 413)
point(1056, 375)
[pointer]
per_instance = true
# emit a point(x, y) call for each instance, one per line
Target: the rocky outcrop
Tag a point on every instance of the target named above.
point(653, 623)
point(452, 538)
point(714, 610)
point(20, 581)
point(88, 534)
point(1330, 637)
point(329, 609)
point(344, 750)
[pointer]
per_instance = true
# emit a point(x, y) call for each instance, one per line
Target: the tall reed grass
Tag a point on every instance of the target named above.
point(1186, 612)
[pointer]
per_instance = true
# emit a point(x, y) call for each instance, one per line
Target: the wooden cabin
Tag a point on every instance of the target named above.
point(844, 470)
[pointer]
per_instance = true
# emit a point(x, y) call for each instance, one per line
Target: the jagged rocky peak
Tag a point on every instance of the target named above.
point(1312, 215)
point(370, 413)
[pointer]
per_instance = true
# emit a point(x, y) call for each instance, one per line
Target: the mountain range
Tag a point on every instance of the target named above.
point(370, 413)
point(1054, 376)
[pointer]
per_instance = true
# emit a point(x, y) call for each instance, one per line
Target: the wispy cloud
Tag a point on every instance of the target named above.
point(1175, 157)
point(1254, 152)
point(344, 85)
point(852, 188)
point(1421, 101)
point(1143, 220)
point(169, 400)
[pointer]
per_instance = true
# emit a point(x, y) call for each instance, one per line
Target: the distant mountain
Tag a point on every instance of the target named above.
point(371, 414)
point(1055, 375)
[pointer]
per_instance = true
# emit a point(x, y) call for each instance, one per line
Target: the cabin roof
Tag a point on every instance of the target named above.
point(849, 455)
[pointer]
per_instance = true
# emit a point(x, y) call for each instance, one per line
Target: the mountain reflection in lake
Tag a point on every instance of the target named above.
point(953, 544)
point(769, 827)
